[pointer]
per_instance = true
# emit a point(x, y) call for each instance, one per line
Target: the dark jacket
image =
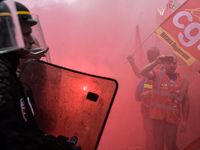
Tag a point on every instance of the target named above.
point(18, 127)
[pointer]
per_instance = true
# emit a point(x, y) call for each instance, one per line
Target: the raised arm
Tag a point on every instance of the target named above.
point(134, 67)
point(147, 72)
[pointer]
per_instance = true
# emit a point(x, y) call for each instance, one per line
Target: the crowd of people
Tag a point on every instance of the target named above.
point(164, 96)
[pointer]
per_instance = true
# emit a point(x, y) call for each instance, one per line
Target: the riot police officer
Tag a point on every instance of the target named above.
point(18, 126)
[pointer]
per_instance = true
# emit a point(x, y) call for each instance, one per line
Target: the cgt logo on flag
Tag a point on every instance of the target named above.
point(181, 31)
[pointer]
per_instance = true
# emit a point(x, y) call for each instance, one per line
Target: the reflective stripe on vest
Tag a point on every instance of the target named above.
point(148, 86)
point(166, 107)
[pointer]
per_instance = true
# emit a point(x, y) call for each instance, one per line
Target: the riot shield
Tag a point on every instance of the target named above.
point(69, 102)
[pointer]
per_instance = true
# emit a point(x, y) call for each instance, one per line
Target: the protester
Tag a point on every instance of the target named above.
point(169, 101)
point(143, 94)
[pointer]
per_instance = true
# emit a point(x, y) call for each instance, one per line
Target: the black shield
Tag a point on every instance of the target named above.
point(69, 102)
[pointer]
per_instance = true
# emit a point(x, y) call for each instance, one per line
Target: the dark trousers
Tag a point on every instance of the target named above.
point(163, 130)
point(147, 125)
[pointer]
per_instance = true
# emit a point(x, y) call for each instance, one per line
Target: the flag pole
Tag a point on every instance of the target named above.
point(140, 45)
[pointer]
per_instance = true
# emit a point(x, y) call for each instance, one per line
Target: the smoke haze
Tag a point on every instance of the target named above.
point(96, 36)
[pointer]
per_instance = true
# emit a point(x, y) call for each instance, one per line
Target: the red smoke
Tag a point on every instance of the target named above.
point(96, 36)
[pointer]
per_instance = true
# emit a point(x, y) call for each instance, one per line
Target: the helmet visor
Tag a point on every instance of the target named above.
point(39, 45)
point(10, 31)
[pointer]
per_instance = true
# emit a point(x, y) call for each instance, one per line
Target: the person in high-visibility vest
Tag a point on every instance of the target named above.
point(143, 94)
point(169, 101)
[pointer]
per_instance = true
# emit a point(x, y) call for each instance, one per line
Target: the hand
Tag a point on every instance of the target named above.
point(56, 143)
point(145, 95)
point(183, 127)
point(130, 58)
point(159, 59)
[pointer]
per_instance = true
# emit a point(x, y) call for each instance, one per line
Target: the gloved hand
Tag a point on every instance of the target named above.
point(60, 143)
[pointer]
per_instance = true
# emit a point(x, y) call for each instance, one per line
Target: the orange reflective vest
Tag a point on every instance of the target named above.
point(148, 84)
point(166, 99)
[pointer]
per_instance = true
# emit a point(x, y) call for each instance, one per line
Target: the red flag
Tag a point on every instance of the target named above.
point(168, 9)
point(165, 12)
point(181, 31)
point(139, 55)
